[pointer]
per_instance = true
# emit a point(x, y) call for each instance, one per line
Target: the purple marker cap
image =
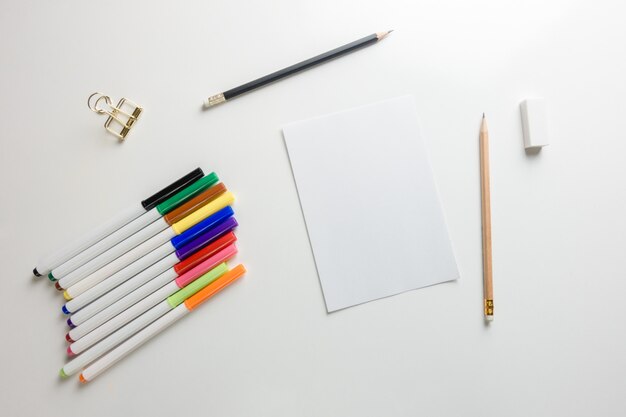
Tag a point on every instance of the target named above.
point(69, 323)
point(207, 237)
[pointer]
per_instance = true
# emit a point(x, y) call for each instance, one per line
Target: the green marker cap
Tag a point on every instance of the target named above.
point(187, 193)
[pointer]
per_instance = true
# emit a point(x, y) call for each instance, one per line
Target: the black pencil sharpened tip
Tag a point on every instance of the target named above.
point(37, 274)
point(483, 115)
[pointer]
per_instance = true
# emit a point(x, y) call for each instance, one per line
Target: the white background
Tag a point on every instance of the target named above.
point(266, 347)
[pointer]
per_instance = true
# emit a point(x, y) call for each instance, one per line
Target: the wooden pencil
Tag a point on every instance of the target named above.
point(486, 220)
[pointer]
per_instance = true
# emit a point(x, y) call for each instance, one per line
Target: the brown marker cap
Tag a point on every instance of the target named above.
point(195, 203)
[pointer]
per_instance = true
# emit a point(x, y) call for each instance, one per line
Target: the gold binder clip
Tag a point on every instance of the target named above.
point(125, 114)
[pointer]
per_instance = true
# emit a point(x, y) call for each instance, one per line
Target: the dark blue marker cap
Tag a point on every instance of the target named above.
point(206, 224)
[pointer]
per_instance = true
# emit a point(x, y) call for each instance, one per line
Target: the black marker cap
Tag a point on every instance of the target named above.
point(37, 274)
point(172, 189)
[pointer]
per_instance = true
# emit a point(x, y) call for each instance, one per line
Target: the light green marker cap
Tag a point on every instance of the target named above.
point(181, 295)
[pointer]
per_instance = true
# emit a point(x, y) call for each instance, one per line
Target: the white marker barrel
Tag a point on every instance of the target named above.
point(185, 303)
point(162, 267)
point(207, 248)
point(167, 197)
point(112, 253)
point(108, 242)
point(46, 264)
point(134, 342)
point(86, 325)
point(137, 293)
point(120, 262)
point(121, 319)
point(116, 338)
point(117, 278)
point(189, 227)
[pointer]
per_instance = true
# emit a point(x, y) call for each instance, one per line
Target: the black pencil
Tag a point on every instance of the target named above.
point(301, 66)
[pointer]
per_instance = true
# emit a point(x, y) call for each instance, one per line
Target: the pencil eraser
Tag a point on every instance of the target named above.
point(534, 123)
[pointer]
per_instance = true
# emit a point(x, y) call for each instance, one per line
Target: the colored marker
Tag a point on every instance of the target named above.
point(148, 302)
point(163, 266)
point(182, 308)
point(141, 236)
point(208, 231)
point(157, 243)
point(142, 321)
point(106, 293)
point(80, 324)
point(151, 222)
point(46, 264)
point(195, 203)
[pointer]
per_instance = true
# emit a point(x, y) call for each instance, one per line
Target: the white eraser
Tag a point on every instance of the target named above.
point(534, 123)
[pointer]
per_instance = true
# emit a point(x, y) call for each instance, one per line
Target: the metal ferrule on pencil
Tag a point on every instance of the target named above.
point(215, 100)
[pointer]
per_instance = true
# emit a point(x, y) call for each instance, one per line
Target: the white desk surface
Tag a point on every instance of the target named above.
point(266, 347)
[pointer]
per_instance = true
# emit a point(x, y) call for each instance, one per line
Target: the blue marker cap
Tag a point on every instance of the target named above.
point(65, 310)
point(206, 224)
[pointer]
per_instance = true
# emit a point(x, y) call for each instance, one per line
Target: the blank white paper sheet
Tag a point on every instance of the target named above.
point(370, 203)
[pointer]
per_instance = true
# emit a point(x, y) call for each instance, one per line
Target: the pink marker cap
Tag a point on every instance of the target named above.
point(191, 275)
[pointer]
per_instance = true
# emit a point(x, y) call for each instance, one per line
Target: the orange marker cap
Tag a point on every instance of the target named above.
point(215, 287)
point(195, 203)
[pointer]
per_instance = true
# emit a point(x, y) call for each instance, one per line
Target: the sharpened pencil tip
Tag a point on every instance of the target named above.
point(483, 115)
point(382, 35)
